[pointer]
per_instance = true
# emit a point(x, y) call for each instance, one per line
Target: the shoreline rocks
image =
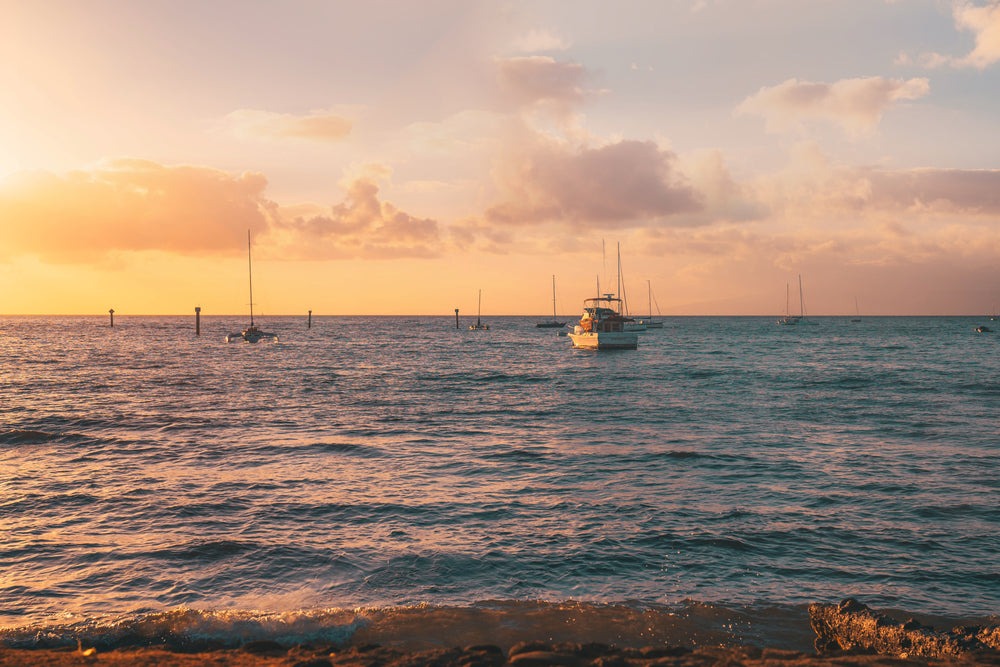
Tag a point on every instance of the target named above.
point(852, 626)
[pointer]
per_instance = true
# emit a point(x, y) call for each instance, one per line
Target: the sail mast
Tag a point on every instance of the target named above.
point(553, 297)
point(802, 308)
point(250, 269)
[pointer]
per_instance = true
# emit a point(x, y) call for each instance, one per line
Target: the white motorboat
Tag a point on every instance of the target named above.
point(251, 334)
point(602, 326)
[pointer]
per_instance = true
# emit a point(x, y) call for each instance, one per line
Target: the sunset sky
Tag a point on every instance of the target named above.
point(394, 157)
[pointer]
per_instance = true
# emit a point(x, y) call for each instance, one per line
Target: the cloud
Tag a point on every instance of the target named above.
point(541, 40)
point(984, 22)
point(129, 205)
point(629, 183)
point(981, 20)
point(318, 126)
point(856, 105)
point(126, 205)
point(542, 83)
point(359, 226)
point(961, 191)
point(811, 192)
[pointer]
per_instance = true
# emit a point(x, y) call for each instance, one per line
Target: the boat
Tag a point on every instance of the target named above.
point(554, 324)
point(649, 322)
point(479, 326)
point(251, 334)
point(602, 326)
point(789, 319)
point(857, 311)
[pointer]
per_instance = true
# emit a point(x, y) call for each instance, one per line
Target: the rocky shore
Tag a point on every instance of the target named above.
point(533, 654)
point(847, 634)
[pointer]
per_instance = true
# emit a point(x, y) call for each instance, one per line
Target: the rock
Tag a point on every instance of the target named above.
point(545, 659)
point(264, 647)
point(853, 627)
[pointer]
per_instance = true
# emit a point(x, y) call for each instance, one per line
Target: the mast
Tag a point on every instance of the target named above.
point(619, 270)
point(479, 310)
point(250, 269)
point(802, 308)
point(553, 297)
point(650, 286)
point(788, 309)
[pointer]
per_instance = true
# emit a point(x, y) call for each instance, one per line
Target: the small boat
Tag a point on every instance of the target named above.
point(857, 311)
point(554, 324)
point(789, 319)
point(479, 326)
point(650, 323)
point(983, 329)
point(251, 334)
point(602, 326)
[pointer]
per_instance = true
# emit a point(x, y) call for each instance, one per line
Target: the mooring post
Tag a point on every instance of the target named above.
point(112, 314)
point(456, 318)
point(310, 325)
point(197, 320)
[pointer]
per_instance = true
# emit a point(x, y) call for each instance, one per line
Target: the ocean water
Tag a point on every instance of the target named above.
point(400, 481)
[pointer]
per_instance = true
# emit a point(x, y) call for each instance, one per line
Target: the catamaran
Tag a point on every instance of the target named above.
point(251, 334)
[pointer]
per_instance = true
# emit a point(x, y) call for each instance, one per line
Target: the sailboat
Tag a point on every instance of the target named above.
point(479, 324)
point(650, 323)
point(554, 324)
point(251, 334)
point(602, 326)
point(789, 318)
point(857, 311)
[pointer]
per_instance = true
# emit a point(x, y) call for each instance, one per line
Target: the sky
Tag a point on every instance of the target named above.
point(392, 157)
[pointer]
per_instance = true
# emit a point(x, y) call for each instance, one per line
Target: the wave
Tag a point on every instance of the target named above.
point(419, 627)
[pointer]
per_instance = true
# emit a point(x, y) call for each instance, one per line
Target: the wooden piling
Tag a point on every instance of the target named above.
point(456, 318)
point(310, 324)
point(111, 312)
point(197, 320)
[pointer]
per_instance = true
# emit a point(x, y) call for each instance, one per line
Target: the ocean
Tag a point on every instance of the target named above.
point(401, 481)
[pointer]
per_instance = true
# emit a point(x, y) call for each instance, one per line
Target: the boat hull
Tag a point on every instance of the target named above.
point(613, 340)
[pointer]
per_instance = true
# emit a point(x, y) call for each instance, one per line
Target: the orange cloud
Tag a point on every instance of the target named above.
point(321, 126)
point(629, 183)
point(856, 105)
point(128, 205)
point(360, 226)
